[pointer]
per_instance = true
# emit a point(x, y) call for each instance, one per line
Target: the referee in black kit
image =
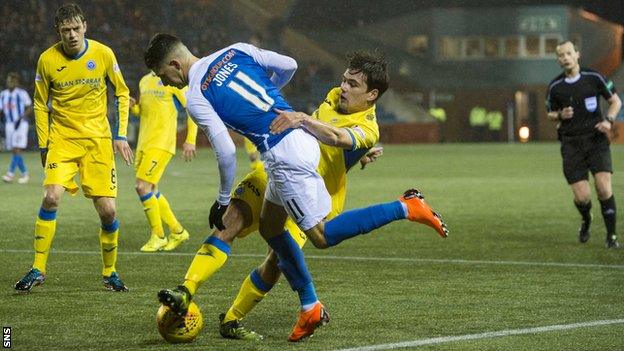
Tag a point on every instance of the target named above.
point(573, 102)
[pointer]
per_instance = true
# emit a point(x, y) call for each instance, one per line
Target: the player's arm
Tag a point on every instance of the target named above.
point(280, 67)
point(325, 133)
point(135, 107)
point(188, 148)
point(554, 110)
point(42, 123)
point(122, 94)
point(28, 108)
point(607, 90)
point(207, 119)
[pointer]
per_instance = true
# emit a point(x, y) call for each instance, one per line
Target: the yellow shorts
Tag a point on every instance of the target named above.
point(251, 191)
point(93, 158)
point(150, 164)
point(250, 147)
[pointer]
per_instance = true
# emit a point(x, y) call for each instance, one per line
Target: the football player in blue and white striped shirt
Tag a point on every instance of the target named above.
point(16, 105)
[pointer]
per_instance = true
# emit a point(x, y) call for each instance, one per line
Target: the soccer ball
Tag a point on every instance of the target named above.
point(179, 329)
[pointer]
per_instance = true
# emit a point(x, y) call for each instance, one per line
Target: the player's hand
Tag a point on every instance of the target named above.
point(371, 156)
point(286, 120)
point(603, 127)
point(215, 219)
point(44, 156)
point(132, 101)
point(188, 152)
point(567, 112)
point(124, 149)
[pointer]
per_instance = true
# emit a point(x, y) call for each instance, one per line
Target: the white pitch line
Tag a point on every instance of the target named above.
point(487, 335)
point(357, 258)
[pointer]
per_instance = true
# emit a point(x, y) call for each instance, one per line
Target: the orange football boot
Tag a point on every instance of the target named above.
point(419, 211)
point(308, 322)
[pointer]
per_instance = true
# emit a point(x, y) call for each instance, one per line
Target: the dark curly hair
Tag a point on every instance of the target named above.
point(374, 67)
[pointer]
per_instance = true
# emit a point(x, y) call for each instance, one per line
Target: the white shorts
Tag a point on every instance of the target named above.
point(294, 182)
point(16, 138)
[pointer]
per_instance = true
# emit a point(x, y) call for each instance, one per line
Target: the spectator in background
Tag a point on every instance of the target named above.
point(16, 105)
point(495, 123)
point(478, 121)
point(440, 115)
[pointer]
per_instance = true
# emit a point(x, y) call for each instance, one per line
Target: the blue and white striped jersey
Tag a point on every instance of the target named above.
point(239, 87)
point(14, 103)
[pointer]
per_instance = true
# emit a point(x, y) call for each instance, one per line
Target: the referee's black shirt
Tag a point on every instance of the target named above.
point(582, 93)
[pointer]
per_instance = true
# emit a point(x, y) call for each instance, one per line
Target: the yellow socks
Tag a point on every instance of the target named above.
point(45, 228)
point(167, 215)
point(208, 259)
point(253, 290)
point(109, 235)
point(152, 212)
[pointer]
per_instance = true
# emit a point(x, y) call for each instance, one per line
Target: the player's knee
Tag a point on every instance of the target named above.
point(142, 187)
point(51, 200)
point(107, 212)
point(604, 193)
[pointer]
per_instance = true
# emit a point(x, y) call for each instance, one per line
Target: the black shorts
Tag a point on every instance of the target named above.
point(585, 153)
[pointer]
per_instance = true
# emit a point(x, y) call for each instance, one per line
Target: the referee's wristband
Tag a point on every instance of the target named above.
point(610, 119)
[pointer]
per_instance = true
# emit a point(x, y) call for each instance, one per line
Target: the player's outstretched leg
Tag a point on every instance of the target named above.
point(178, 299)
point(308, 322)
point(209, 258)
point(419, 211)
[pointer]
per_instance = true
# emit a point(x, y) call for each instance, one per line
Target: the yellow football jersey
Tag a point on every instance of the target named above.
point(76, 87)
point(363, 128)
point(159, 115)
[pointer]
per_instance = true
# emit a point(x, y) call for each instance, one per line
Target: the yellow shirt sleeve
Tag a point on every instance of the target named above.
point(191, 127)
point(191, 131)
point(122, 94)
point(42, 122)
point(365, 136)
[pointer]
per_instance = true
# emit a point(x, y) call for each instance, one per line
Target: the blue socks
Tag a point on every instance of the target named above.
point(362, 221)
point(292, 264)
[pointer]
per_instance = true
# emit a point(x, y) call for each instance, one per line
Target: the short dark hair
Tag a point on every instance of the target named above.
point(15, 76)
point(374, 67)
point(158, 48)
point(565, 41)
point(68, 12)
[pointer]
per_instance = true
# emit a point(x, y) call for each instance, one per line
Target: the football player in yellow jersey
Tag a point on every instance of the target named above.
point(253, 154)
point(75, 137)
point(158, 112)
point(346, 117)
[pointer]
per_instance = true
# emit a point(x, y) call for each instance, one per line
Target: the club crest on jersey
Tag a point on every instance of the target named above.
point(240, 190)
point(90, 65)
point(591, 103)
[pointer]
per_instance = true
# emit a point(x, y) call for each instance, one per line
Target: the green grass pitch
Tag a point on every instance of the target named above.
point(511, 262)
